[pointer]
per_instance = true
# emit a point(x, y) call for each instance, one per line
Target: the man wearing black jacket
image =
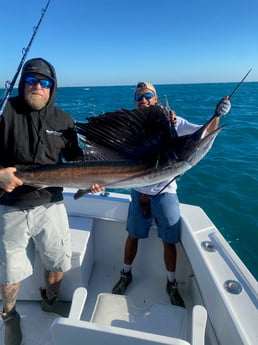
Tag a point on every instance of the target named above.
point(29, 131)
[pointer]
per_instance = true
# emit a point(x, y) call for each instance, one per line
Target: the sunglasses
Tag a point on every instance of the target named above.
point(147, 95)
point(45, 83)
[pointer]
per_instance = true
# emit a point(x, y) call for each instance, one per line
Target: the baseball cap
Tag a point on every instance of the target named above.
point(39, 65)
point(145, 85)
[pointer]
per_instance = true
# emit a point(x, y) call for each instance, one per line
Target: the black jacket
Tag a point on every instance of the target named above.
point(30, 137)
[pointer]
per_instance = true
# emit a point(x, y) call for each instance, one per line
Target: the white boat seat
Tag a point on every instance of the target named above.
point(67, 332)
point(72, 330)
point(119, 311)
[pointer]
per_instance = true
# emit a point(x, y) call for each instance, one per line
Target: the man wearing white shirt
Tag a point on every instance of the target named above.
point(158, 201)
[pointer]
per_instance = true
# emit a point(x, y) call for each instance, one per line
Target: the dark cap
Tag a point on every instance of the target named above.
point(39, 65)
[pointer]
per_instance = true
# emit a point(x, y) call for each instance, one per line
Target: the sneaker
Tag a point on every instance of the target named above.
point(173, 293)
point(54, 305)
point(12, 335)
point(124, 281)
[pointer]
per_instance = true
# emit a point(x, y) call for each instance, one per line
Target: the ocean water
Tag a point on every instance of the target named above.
point(225, 182)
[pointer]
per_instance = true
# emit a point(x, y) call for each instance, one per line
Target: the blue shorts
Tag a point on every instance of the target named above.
point(42, 227)
point(165, 211)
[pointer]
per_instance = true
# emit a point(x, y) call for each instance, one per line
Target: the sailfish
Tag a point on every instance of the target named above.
point(126, 149)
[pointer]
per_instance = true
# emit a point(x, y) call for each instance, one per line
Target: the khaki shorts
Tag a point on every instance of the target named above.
point(42, 227)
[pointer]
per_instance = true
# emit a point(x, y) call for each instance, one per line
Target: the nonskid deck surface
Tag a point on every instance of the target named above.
point(149, 281)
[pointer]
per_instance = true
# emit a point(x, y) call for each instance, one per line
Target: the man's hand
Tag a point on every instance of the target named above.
point(223, 107)
point(97, 188)
point(173, 117)
point(8, 180)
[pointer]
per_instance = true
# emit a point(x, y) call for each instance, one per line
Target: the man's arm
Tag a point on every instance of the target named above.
point(222, 109)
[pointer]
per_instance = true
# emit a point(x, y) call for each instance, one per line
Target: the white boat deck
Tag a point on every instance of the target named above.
point(98, 244)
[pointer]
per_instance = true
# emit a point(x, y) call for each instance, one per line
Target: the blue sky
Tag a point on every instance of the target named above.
point(118, 42)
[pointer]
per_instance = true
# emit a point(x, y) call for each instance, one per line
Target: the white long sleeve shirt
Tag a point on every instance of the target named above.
point(183, 127)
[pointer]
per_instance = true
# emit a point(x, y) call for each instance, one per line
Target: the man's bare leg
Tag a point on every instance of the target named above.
point(11, 318)
point(50, 301)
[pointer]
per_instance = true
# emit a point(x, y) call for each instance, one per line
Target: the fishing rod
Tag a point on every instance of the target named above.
point(167, 107)
point(239, 84)
point(25, 52)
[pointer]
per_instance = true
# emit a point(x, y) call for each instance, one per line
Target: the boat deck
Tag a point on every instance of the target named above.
point(147, 287)
point(203, 267)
